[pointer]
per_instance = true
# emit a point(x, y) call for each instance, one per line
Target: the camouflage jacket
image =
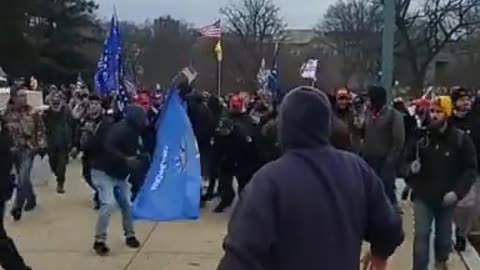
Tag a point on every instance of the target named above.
point(26, 128)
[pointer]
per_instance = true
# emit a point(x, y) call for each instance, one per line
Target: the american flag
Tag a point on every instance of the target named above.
point(273, 85)
point(130, 86)
point(211, 31)
point(122, 97)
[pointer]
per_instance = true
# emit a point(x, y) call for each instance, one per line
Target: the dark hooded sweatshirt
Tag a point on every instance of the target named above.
point(313, 207)
point(120, 141)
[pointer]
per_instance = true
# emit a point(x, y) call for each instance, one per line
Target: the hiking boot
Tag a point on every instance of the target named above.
point(132, 242)
point(460, 243)
point(220, 207)
point(16, 214)
point(60, 189)
point(101, 248)
point(30, 205)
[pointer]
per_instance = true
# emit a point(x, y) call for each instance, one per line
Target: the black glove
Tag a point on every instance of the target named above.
point(133, 163)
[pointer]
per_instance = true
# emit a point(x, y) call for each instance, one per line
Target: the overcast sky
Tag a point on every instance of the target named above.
point(297, 13)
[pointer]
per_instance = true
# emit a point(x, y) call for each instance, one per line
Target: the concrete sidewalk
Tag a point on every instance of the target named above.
point(58, 235)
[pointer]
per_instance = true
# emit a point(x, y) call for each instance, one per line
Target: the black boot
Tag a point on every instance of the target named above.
point(101, 248)
point(210, 191)
point(460, 243)
point(10, 259)
point(60, 188)
point(16, 214)
point(31, 204)
point(221, 207)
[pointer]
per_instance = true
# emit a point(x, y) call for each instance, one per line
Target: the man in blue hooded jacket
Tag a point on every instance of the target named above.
point(117, 154)
point(313, 207)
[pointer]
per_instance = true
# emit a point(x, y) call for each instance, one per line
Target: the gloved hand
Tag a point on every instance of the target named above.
point(133, 163)
point(450, 199)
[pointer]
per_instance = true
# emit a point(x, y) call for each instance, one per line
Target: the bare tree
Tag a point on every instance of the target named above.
point(254, 24)
point(166, 46)
point(354, 27)
point(426, 27)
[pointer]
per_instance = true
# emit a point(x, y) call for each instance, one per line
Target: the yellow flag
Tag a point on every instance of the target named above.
point(219, 51)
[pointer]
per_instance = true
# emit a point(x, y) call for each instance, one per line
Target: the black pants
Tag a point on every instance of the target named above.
point(10, 259)
point(226, 184)
point(58, 159)
point(213, 175)
point(3, 233)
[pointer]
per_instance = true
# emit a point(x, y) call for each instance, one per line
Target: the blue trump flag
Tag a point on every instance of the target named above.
point(108, 73)
point(171, 190)
point(273, 76)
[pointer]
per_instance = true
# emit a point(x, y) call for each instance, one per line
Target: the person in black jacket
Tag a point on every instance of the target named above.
point(117, 156)
point(242, 152)
point(59, 128)
point(443, 166)
point(85, 130)
point(217, 110)
point(10, 259)
point(466, 119)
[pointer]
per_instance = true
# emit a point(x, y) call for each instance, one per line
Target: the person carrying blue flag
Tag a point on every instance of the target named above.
point(172, 187)
point(117, 156)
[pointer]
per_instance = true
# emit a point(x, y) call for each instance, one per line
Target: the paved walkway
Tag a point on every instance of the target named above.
point(58, 236)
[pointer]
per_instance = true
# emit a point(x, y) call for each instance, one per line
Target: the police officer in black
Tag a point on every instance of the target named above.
point(238, 140)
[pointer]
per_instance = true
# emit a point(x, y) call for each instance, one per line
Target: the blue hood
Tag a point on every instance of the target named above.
point(305, 119)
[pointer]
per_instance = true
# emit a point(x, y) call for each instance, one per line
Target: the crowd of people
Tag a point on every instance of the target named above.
point(322, 168)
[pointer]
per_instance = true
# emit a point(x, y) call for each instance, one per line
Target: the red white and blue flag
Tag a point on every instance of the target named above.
point(211, 31)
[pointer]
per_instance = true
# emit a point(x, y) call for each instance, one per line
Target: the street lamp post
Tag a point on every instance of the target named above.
point(388, 37)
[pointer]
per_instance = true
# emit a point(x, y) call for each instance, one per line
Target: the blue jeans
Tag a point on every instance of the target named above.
point(23, 166)
point(112, 191)
point(424, 216)
point(386, 171)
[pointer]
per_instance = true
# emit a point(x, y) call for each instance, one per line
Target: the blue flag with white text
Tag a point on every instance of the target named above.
point(171, 190)
point(108, 74)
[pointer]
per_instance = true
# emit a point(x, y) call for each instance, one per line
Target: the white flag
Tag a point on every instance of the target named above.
point(190, 73)
point(309, 69)
point(262, 75)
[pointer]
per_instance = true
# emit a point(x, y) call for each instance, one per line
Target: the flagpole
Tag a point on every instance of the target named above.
point(219, 78)
point(219, 70)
